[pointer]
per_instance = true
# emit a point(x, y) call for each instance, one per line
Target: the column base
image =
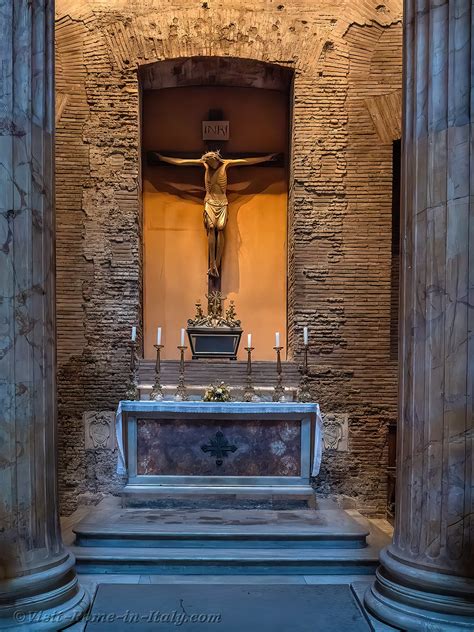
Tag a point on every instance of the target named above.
point(48, 600)
point(420, 600)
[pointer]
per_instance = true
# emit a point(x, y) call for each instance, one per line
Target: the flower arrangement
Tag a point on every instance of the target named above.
point(217, 393)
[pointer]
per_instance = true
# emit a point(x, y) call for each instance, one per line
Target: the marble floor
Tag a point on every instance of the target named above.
point(227, 607)
point(358, 584)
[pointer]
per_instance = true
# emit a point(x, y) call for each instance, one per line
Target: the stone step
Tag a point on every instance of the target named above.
point(218, 529)
point(219, 497)
point(203, 372)
point(325, 540)
point(205, 561)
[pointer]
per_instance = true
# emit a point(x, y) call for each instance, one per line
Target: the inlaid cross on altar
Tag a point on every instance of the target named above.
point(219, 447)
point(215, 201)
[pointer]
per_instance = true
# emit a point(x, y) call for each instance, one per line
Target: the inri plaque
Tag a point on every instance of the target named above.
point(215, 130)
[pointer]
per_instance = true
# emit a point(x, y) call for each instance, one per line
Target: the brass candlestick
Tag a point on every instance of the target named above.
point(157, 390)
point(304, 394)
point(181, 392)
point(249, 392)
point(279, 390)
point(133, 393)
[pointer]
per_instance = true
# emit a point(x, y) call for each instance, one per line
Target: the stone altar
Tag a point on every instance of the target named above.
point(206, 444)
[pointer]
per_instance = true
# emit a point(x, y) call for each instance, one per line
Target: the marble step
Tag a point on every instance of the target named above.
point(202, 561)
point(218, 529)
point(214, 497)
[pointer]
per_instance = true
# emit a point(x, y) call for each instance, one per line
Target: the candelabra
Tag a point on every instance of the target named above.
point(157, 390)
point(181, 391)
point(249, 392)
point(133, 393)
point(304, 394)
point(279, 390)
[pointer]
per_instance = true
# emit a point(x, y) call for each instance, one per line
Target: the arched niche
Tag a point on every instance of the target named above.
point(176, 95)
point(215, 71)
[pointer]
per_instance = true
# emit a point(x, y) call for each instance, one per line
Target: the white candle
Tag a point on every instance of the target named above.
point(305, 335)
point(182, 337)
point(249, 341)
point(277, 339)
point(158, 336)
point(134, 333)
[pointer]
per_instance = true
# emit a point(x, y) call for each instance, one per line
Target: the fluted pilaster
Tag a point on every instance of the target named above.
point(38, 584)
point(425, 581)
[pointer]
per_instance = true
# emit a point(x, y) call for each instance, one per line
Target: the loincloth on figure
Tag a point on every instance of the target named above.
point(215, 214)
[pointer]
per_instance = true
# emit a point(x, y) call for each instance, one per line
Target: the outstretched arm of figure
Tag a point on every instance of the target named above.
point(180, 162)
point(237, 162)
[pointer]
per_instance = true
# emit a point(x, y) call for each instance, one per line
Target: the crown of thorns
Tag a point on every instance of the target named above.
point(212, 154)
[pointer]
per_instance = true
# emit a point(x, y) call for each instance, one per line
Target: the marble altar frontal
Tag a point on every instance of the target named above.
point(198, 443)
point(225, 447)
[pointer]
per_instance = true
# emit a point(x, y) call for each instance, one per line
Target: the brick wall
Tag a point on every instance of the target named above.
point(346, 57)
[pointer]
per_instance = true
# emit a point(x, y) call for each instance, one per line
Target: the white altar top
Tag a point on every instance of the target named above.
point(198, 406)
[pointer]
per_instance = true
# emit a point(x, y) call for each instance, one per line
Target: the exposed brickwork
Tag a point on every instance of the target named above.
point(347, 62)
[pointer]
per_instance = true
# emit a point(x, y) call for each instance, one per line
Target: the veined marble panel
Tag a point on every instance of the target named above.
point(186, 447)
point(38, 585)
point(426, 580)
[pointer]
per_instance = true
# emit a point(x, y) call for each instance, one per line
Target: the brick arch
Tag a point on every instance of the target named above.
point(135, 39)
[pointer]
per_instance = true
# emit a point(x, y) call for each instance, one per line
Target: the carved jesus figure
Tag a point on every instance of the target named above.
point(215, 202)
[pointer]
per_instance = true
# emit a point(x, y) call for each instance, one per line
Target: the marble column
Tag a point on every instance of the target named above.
point(426, 577)
point(38, 585)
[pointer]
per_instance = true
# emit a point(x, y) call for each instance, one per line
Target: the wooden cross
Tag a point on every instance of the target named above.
point(153, 160)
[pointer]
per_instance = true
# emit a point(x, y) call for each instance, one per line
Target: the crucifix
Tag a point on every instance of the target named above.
point(215, 201)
